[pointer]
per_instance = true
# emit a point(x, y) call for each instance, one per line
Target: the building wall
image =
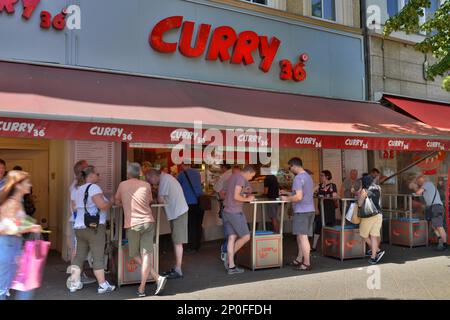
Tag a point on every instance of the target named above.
point(396, 67)
point(118, 40)
point(347, 11)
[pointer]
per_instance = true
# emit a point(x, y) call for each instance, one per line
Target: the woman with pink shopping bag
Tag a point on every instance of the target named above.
point(13, 224)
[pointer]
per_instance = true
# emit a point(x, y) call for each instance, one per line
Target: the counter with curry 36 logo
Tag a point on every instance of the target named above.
point(341, 241)
point(125, 269)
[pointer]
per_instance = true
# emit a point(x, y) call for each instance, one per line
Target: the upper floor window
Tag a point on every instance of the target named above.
point(395, 6)
point(325, 9)
point(263, 2)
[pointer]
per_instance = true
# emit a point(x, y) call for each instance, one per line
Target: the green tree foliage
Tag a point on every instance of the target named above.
point(437, 27)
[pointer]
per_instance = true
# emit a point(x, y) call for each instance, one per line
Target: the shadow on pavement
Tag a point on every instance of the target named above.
point(205, 270)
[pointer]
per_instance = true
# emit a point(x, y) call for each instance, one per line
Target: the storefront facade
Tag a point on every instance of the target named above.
point(127, 76)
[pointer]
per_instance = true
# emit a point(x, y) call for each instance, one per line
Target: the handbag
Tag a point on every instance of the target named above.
point(352, 214)
point(89, 220)
point(368, 209)
point(31, 265)
point(204, 201)
point(434, 210)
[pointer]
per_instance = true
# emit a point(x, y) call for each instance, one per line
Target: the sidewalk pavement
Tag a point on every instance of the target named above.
point(418, 273)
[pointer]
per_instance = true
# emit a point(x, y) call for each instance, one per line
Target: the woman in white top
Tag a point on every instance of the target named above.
point(90, 238)
point(13, 223)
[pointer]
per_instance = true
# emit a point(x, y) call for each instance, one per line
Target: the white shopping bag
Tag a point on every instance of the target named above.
point(350, 211)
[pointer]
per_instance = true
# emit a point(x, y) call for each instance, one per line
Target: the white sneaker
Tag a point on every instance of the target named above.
point(160, 284)
point(107, 288)
point(75, 286)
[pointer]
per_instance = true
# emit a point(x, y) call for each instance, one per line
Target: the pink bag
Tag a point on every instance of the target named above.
point(31, 265)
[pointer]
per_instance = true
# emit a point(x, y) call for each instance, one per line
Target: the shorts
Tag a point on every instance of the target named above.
point(179, 227)
point(235, 223)
point(272, 210)
point(437, 222)
point(303, 223)
point(371, 226)
point(141, 239)
point(94, 241)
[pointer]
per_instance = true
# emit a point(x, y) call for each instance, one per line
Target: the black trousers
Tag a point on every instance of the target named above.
point(195, 229)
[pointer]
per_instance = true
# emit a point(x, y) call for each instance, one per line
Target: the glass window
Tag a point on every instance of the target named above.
point(435, 4)
point(392, 7)
point(325, 9)
point(264, 2)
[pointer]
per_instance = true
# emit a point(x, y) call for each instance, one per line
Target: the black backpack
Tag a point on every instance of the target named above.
point(89, 220)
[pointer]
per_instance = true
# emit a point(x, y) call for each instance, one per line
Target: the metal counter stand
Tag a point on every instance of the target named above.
point(265, 249)
point(406, 230)
point(342, 242)
point(126, 270)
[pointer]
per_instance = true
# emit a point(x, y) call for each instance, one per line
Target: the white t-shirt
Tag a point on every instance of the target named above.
point(170, 189)
point(72, 190)
point(78, 197)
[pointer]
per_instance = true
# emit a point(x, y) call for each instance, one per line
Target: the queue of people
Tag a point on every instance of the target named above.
point(89, 207)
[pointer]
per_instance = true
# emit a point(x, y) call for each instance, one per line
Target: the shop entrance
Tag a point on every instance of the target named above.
point(36, 163)
point(45, 161)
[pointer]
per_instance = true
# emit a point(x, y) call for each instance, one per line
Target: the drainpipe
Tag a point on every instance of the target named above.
point(366, 40)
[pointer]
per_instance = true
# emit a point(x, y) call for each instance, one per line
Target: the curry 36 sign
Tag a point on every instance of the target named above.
point(226, 45)
point(69, 17)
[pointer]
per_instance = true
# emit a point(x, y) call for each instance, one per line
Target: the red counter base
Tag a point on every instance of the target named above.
point(354, 245)
point(403, 235)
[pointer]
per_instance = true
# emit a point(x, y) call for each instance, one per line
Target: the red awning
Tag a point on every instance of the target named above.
point(62, 103)
point(432, 113)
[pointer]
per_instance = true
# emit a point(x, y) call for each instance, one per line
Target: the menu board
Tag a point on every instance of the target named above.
point(332, 161)
point(101, 155)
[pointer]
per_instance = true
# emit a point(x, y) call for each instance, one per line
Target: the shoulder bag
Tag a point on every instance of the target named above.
point(434, 210)
point(89, 220)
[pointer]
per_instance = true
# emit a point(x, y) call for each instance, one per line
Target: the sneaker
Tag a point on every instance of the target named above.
point(108, 288)
point(372, 261)
point(87, 280)
point(160, 284)
point(380, 255)
point(166, 273)
point(140, 294)
point(235, 270)
point(441, 247)
point(225, 261)
point(75, 286)
point(173, 275)
point(222, 255)
point(369, 253)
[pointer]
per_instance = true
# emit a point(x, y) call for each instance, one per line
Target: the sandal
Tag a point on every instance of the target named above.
point(303, 267)
point(295, 263)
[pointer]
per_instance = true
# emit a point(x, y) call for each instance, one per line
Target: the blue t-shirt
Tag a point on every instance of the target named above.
point(191, 195)
point(304, 182)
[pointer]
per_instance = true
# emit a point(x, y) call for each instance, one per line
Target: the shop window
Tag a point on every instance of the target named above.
point(325, 9)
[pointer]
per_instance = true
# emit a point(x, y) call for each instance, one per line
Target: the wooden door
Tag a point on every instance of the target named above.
point(35, 162)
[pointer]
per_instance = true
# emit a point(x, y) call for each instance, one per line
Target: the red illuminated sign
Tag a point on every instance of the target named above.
point(225, 45)
point(29, 6)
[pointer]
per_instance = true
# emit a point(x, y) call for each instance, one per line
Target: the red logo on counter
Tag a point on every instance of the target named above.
point(225, 45)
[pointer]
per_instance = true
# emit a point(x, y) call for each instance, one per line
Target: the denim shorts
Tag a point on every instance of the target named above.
point(10, 251)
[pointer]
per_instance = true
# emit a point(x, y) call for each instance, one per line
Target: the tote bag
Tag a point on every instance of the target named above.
point(31, 265)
